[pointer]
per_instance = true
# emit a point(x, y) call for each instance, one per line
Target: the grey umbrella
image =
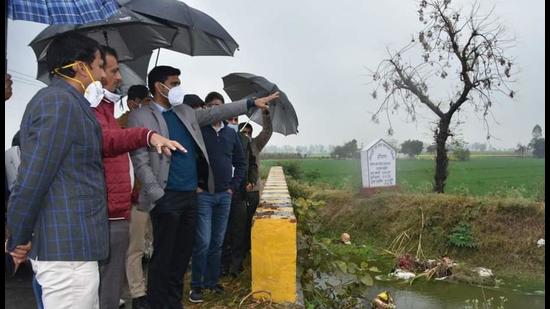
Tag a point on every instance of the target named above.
point(198, 33)
point(246, 85)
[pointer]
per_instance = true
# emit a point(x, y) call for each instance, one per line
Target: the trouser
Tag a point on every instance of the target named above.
point(173, 220)
point(37, 291)
point(234, 243)
point(68, 285)
point(111, 270)
point(252, 201)
point(140, 229)
point(212, 217)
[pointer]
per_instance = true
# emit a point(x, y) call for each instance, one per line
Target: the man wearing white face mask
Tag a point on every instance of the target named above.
point(117, 142)
point(58, 199)
point(169, 185)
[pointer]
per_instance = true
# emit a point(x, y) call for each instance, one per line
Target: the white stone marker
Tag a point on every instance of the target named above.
point(378, 165)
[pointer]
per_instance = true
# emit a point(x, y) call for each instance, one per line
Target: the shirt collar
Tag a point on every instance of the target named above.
point(161, 108)
point(218, 129)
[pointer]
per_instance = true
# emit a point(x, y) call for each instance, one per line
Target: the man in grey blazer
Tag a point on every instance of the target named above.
point(169, 185)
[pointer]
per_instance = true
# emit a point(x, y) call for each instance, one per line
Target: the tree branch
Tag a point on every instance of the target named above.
point(412, 87)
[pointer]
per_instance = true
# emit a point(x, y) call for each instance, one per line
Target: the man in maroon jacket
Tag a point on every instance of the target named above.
point(117, 142)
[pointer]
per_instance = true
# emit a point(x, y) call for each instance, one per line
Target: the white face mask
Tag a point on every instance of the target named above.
point(112, 97)
point(94, 93)
point(233, 126)
point(175, 95)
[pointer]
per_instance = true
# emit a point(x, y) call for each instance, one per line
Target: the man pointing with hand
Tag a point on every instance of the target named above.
point(169, 185)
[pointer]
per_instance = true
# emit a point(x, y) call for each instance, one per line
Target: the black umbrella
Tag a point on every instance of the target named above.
point(246, 85)
point(131, 34)
point(134, 72)
point(198, 33)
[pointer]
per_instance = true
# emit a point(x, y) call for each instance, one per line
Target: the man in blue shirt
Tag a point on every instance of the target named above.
point(225, 153)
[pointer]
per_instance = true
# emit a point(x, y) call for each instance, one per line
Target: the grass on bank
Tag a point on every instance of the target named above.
point(504, 230)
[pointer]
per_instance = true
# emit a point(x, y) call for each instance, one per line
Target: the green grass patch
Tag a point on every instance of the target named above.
point(505, 230)
point(498, 176)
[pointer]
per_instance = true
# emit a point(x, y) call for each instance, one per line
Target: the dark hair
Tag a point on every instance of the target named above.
point(160, 74)
point(247, 124)
point(137, 92)
point(193, 100)
point(68, 48)
point(213, 96)
point(108, 50)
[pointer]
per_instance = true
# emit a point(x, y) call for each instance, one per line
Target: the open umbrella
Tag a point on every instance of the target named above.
point(134, 72)
point(58, 11)
point(198, 33)
point(132, 35)
point(246, 85)
point(61, 11)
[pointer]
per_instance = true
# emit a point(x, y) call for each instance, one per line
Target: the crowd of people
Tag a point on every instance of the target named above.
point(90, 188)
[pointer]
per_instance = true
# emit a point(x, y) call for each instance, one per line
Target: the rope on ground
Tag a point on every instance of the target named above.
point(256, 292)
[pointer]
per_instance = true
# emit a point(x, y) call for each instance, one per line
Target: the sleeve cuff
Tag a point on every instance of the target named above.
point(149, 138)
point(250, 103)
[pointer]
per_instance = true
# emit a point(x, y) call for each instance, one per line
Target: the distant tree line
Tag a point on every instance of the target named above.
point(535, 146)
point(347, 151)
point(301, 149)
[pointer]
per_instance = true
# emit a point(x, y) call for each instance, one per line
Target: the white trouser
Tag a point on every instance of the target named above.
point(68, 285)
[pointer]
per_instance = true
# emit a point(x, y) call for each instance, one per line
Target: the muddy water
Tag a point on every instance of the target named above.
point(442, 295)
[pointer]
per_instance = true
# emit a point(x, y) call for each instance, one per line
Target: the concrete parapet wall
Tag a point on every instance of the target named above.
point(274, 242)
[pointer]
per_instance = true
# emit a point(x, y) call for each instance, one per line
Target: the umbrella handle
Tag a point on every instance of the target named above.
point(106, 37)
point(242, 129)
point(158, 53)
point(248, 121)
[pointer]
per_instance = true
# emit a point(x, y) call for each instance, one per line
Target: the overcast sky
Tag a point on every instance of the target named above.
point(317, 51)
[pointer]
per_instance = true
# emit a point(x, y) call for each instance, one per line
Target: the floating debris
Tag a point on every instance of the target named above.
point(484, 272)
point(402, 274)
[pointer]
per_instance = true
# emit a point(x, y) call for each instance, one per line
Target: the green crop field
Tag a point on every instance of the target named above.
point(479, 176)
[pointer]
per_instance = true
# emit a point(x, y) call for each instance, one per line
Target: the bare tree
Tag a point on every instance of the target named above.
point(468, 52)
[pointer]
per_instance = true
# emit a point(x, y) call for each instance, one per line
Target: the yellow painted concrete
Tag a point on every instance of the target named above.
point(274, 242)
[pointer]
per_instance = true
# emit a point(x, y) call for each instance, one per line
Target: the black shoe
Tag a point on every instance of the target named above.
point(140, 303)
point(195, 296)
point(218, 289)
